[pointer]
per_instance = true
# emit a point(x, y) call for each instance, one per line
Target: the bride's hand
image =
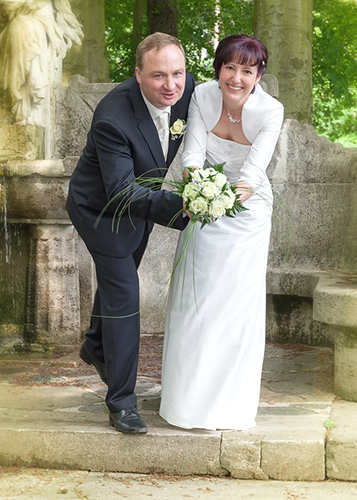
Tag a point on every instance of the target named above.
point(244, 189)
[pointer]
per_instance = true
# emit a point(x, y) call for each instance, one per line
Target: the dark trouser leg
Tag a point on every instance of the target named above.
point(139, 252)
point(118, 290)
point(94, 333)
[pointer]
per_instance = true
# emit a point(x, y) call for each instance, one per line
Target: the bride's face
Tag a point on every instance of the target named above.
point(237, 81)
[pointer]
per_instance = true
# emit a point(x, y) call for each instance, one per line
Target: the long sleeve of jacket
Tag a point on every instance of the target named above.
point(117, 170)
point(262, 118)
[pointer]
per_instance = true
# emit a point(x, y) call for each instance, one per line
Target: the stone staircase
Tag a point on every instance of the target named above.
point(53, 416)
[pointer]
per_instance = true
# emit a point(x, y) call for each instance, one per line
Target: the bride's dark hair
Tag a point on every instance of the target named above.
point(241, 49)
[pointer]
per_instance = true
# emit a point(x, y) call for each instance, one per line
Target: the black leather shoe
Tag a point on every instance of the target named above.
point(89, 358)
point(128, 421)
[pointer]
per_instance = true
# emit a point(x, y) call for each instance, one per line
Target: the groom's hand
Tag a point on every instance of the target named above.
point(187, 212)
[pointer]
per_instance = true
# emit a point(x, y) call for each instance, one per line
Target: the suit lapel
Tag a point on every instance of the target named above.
point(173, 144)
point(147, 127)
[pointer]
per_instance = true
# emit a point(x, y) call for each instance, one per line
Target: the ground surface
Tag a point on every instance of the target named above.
point(63, 370)
point(40, 484)
point(70, 370)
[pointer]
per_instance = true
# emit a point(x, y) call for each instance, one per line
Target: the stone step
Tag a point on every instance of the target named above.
point(303, 431)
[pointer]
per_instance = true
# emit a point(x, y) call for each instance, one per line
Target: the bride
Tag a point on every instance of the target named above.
point(215, 327)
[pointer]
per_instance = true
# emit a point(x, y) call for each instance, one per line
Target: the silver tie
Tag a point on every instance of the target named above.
point(163, 130)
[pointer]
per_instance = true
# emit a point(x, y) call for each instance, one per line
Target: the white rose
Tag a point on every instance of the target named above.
point(190, 192)
point(198, 206)
point(209, 190)
point(209, 171)
point(216, 209)
point(220, 180)
point(196, 176)
point(178, 127)
point(206, 172)
point(228, 198)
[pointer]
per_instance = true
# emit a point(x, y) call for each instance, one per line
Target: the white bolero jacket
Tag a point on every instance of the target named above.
point(262, 118)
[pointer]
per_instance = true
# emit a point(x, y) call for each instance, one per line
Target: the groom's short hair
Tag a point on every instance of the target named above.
point(156, 41)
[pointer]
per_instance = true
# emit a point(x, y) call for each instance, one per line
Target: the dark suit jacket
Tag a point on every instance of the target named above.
point(122, 144)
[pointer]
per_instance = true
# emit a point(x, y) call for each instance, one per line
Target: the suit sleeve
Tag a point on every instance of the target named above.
point(117, 170)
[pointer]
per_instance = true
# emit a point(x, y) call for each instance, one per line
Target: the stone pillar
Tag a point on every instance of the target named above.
point(346, 363)
point(286, 29)
point(56, 301)
point(25, 142)
point(335, 303)
point(90, 59)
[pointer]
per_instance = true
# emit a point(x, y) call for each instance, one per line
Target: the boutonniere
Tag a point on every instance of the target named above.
point(177, 129)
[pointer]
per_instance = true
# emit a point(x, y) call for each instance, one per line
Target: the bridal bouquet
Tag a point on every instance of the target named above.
point(209, 195)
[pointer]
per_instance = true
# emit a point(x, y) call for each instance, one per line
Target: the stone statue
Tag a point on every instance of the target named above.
point(34, 38)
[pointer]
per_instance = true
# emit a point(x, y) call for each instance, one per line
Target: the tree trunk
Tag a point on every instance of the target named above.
point(162, 16)
point(138, 17)
point(286, 29)
point(137, 36)
point(89, 59)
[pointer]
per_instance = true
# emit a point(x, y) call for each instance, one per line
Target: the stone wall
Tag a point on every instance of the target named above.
point(315, 181)
point(318, 182)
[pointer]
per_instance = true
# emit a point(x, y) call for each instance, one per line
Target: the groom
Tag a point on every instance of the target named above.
point(129, 137)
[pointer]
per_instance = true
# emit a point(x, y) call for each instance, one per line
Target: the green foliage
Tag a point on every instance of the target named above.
point(119, 30)
point(196, 28)
point(198, 23)
point(335, 70)
point(334, 51)
point(334, 118)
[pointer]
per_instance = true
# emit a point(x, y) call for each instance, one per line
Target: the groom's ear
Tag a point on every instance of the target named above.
point(138, 75)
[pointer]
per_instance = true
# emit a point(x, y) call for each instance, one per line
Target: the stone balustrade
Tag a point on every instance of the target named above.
point(332, 297)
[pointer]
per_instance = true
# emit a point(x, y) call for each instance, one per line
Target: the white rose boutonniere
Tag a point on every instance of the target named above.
point(177, 129)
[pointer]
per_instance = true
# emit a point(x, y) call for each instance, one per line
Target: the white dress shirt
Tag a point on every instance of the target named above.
point(162, 127)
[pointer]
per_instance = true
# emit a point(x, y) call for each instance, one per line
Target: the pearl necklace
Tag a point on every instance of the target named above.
point(232, 120)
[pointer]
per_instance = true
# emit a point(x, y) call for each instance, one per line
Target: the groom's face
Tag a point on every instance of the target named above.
point(162, 78)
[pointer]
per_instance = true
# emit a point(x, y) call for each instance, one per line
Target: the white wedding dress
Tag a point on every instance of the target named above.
point(215, 326)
